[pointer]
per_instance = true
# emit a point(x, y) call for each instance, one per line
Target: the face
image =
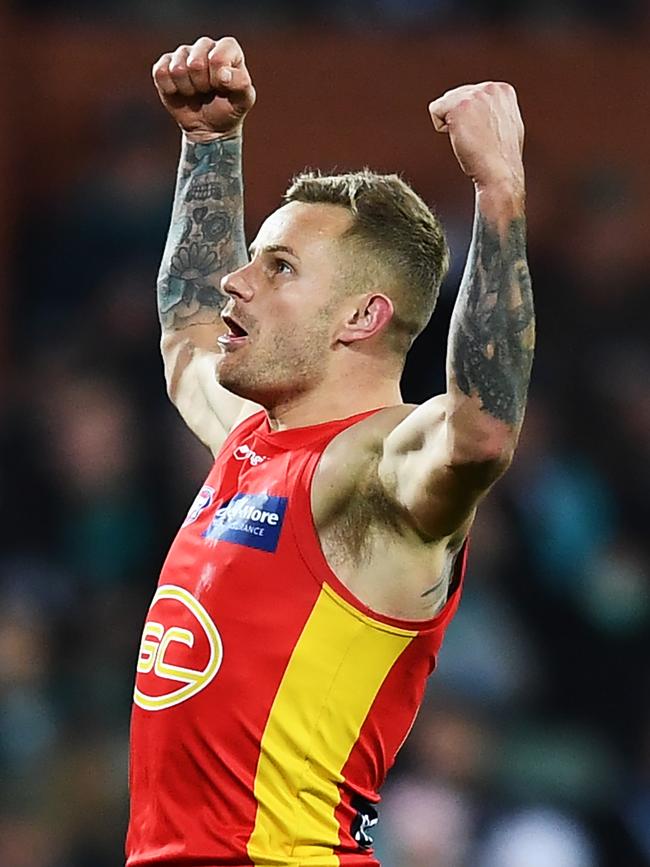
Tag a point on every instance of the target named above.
point(288, 300)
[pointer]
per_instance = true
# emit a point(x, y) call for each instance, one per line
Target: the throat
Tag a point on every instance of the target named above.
point(329, 403)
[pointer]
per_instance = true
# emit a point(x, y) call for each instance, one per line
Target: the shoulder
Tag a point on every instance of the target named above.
point(367, 438)
point(352, 457)
point(352, 470)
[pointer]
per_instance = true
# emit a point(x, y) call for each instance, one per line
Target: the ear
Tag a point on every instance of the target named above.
point(370, 316)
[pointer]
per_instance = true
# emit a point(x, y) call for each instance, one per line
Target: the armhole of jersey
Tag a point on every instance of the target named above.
point(308, 544)
point(450, 607)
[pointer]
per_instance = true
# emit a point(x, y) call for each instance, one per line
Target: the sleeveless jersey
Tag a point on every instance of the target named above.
point(269, 701)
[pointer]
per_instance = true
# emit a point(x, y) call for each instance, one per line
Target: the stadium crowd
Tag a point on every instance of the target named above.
point(533, 746)
point(359, 13)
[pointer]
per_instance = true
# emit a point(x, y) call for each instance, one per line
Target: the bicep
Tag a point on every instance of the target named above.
point(208, 409)
point(418, 470)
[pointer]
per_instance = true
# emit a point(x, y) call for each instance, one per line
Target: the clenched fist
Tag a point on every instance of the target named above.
point(486, 131)
point(206, 87)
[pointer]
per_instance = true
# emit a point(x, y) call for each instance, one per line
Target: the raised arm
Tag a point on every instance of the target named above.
point(443, 457)
point(208, 91)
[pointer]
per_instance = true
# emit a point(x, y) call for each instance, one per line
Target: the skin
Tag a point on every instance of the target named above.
point(279, 298)
point(300, 314)
point(394, 495)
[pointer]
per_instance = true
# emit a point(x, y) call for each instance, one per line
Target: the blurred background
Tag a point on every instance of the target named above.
point(533, 746)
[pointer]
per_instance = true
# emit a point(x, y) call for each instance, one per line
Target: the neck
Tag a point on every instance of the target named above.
point(332, 401)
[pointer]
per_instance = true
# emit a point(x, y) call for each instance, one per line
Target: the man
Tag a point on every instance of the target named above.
point(303, 603)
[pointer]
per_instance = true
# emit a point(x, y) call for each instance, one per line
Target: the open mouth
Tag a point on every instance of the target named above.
point(234, 328)
point(235, 335)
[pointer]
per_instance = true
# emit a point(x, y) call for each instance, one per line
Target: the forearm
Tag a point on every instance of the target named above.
point(206, 236)
point(492, 333)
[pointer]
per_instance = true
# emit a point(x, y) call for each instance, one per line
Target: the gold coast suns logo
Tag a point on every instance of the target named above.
point(180, 651)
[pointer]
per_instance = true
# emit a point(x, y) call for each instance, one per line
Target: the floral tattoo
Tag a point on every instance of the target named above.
point(206, 237)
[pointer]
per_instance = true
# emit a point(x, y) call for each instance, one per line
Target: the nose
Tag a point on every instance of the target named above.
point(237, 285)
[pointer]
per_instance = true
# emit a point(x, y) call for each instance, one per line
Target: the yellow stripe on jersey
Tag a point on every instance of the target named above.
point(335, 671)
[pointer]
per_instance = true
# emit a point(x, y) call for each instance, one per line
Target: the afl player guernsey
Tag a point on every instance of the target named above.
point(269, 702)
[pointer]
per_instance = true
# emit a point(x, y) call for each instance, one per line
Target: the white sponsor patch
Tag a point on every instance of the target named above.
point(245, 453)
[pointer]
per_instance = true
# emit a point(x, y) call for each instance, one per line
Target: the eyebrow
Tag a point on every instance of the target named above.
point(273, 248)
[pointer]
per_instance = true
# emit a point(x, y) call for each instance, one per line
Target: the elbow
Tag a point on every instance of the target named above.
point(489, 465)
point(476, 438)
point(488, 449)
point(176, 355)
point(499, 459)
point(481, 469)
point(496, 450)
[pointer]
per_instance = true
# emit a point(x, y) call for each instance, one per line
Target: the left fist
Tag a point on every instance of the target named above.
point(484, 124)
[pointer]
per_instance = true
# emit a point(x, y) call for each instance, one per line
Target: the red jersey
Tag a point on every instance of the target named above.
point(269, 701)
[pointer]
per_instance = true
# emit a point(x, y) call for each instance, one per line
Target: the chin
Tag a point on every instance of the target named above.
point(235, 378)
point(233, 381)
point(267, 381)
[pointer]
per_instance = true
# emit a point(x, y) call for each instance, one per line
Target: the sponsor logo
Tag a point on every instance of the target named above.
point(366, 818)
point(254, 520)
point(201, 502)
point(180, 652)
point(245, 453)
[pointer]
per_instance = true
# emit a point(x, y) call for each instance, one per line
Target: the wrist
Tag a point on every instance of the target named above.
point(501, 199)
point(206, 137)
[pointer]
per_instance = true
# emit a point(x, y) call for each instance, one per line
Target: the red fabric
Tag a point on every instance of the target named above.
point(193, 763)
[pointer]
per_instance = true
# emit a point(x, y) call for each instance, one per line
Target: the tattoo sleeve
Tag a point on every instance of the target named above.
point(492, 334)
point(206, 235)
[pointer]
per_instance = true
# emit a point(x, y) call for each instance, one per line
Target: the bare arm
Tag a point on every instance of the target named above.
point(492, 333)
point(206, 236)
point(205, 242)
point(445, 455)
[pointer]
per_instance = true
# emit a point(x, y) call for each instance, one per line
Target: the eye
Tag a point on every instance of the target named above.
point(282, 266)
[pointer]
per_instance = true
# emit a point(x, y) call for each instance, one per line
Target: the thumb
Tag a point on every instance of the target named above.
point(438, 116)
point(234, 83)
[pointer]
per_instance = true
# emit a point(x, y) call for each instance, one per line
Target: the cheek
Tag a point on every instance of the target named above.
point(290, 320)
point(296, 343)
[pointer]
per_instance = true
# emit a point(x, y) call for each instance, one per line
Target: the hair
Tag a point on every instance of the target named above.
point(397, 241)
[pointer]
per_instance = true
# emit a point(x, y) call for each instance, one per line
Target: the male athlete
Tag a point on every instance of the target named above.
point(305, 598)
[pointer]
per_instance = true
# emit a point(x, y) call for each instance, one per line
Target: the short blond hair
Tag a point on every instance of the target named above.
point(403, 241)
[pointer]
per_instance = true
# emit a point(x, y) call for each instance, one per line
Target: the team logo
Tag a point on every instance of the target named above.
point(202, 500)
point(254, 520)
point(180, 651)
point(245, 453)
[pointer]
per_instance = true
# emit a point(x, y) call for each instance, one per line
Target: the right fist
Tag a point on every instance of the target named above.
point(206, 87)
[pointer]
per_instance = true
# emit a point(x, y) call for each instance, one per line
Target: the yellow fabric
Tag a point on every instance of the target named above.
point(336, 669)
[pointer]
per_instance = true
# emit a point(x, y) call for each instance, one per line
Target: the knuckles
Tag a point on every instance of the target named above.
point(205, 52)
point(161, 66)
point(228, 41)
point(462, 100)
point(469, 92)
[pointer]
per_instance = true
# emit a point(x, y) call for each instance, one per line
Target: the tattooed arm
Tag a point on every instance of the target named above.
point(491, 338)
point(444, 456)
point(205, 242)
point(207, 90)
point(206, 236)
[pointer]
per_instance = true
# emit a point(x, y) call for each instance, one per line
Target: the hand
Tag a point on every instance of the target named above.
point(206, 88)
point(486, 131)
